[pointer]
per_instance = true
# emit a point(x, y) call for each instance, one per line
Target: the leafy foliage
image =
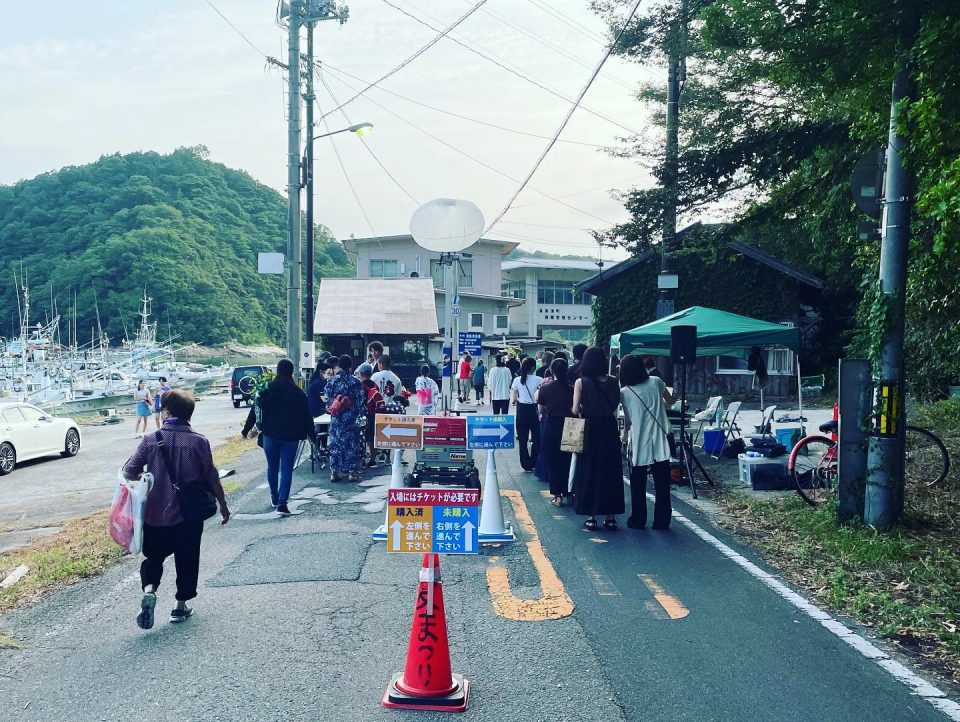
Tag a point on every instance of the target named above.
point(781, 98)
point(185, 229)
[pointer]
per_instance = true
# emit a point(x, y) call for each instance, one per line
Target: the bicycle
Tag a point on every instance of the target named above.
point(813, 462)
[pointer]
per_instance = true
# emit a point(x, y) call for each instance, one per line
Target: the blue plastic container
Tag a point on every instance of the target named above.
point(712, 440)
point(788, 436)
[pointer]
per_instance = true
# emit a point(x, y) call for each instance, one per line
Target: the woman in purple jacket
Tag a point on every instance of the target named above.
point(165, 531)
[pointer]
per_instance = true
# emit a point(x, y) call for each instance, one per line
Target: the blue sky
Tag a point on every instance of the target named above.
point(87, 79)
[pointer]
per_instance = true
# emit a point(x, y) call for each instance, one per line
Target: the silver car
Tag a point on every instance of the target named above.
point(26, 433)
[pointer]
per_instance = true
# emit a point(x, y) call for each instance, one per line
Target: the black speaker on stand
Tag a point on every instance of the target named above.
point(683, 351)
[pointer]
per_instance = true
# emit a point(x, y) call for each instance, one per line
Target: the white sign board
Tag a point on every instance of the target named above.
point(269, 263)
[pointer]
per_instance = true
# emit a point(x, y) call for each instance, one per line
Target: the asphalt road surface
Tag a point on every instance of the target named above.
point(305, 618)
point(39, 495)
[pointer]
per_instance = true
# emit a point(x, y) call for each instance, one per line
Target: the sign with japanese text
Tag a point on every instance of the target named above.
point(444, 431)
point(438, 521)
point(393, 431)
point(470, 342)
point(490, 432)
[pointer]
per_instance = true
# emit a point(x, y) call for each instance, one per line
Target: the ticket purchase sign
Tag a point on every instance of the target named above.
point(393, 431)
point(438, 521)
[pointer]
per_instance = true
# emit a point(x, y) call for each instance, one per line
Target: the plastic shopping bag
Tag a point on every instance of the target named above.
point(122, 520)
point(127, 511)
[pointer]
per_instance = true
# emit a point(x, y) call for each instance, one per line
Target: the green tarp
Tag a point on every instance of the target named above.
point(719, 333)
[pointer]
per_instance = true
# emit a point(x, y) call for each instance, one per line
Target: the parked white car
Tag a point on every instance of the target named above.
point(26, 433)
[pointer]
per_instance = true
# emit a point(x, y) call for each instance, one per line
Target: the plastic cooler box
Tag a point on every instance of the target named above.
point(788, 436)
point(762, 473)
point(712, 440)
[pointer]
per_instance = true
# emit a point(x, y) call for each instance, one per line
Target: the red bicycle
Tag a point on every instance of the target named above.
point(813, 462)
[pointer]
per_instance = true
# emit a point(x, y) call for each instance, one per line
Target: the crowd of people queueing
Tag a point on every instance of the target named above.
point(546, 393)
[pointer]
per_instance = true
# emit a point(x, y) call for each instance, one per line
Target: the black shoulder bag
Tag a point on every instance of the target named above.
point(197, 503)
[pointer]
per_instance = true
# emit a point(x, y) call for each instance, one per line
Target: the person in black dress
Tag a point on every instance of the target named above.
point(598, 479)
point(555, 398)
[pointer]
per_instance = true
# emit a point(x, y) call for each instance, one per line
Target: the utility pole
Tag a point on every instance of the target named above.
point(308, 99)
point(676, 74)
point(294, 261)
point(883, 503)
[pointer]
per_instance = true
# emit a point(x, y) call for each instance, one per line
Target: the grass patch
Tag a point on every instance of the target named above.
point(8, 642)
point(231, 450)
point(905, 584)
point(81, 549)
point(232, 486)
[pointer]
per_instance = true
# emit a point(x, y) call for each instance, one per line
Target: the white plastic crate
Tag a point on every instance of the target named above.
point(748, 464)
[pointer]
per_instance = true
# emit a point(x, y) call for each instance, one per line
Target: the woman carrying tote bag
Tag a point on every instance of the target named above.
point(645, 420)
point(598, 476)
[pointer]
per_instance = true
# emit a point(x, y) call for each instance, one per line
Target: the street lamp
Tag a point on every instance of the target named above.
point(306, 164)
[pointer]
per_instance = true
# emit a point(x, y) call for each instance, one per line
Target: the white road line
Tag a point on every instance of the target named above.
point(918, 686)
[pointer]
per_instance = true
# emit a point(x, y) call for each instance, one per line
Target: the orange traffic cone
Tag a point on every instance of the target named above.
point(426, 682)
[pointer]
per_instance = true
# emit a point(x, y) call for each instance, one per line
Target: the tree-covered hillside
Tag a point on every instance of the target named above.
point(185, 229)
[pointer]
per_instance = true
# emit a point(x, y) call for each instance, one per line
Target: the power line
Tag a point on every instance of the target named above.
point(567, 117)
point(235, 28)
point(362, 139)
point(474, 159)
point(327, 66)
point(567, 20)
point(417, 54)
point(513, 71)
point(580, 193)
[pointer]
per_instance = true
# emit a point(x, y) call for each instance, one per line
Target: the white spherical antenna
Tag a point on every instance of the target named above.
point(447, 225)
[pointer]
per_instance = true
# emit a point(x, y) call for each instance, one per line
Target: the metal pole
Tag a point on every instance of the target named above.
point(293, 184)
point(884, 493)
point(308, 100)
point(666, 298)
point(854, 397)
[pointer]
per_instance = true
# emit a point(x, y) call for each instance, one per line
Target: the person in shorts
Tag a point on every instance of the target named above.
point(158, 398)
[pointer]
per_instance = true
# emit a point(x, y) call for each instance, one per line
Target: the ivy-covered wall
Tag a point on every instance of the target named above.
point(727, 281)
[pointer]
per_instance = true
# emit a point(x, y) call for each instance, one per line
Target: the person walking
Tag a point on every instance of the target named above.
point(165, 531)
point(464, 372)
point(427, 392)
point(386, 380)
point(346, 446)
point(318, 380)
point(500, 380)
point(284, 421)
point(513, 365)
point(479, 380)
point(644, 398)
point(545, 360)
point(143, 401)
point(374, 404)
point(573, 373)
point(598, 475)
point(524, 390)
point(162, 388)
point(555, 399)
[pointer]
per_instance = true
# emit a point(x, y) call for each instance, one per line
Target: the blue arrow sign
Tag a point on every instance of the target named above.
point(490, 432)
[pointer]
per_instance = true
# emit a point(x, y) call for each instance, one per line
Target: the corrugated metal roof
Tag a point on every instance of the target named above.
point(558, 264)
point(399, 306)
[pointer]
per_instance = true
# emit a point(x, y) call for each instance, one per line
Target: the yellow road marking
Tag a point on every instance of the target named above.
point(601, 582)
point(598, 540)
point(554, 602)
point(670, 604)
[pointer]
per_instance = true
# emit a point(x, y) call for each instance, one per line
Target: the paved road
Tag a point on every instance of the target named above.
point(42, 494)
point(304, 619)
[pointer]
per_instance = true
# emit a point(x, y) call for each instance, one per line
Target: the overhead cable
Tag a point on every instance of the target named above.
point(473, 158)
point(513, 71)
point(327, 66)
point(362, 139)
point(567, 20)
point(417, 54)
point(567, 117)
point(235, 28)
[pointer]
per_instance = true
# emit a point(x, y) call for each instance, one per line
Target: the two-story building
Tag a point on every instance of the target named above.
point(483, 308)
point(552, 301)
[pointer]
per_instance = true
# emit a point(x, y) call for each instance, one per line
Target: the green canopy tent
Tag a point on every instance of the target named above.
point(719, 333)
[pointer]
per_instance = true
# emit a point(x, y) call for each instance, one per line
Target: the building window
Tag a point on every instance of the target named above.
point(466, 273)
point(476, 321)
point(560, 293)
point(513, 289)
point(436, 273)
point(503, 322)
point(380, 268)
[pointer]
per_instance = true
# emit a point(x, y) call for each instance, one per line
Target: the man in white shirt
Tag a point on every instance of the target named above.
point(387, 381)
point(499, 379)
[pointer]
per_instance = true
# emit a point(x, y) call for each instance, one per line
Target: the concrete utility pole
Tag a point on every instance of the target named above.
point(308, 99)
point(883, 503)
point(676, 74)
point(294, 261)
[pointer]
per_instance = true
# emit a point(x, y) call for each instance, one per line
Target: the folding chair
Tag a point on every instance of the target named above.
point(729, 426)
point(706, 416)
point(766, 424)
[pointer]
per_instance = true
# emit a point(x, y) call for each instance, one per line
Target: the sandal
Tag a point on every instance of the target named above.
point(557, 501)
point(352, 478)
point(590, 525)
point(334, 478)
point(610, 525)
